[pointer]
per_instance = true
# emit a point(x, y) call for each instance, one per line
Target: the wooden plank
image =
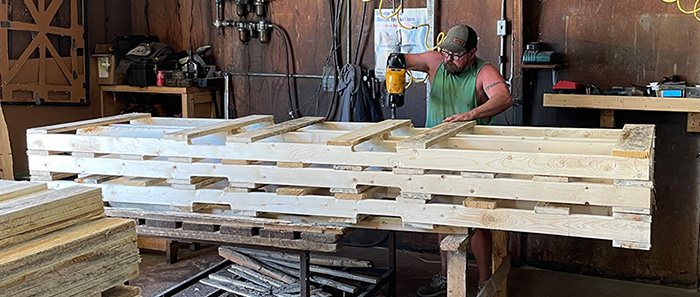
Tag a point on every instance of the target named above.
point(632, 245)
point(87, 123)
point(486, 175)
point(189, 134)
point(496, 285)
point(428, 138)
point(454, 185)
point(218, 237)
point(18, 189)
point(552, 208)
point(456, 247)
point(230, 220)
point(454, 242)
point(95, 179)
point(551, 179)
point(296, 191)
point(607, 118)
point(636, 141)
point(593, 166)
point(315, 259)
point(356, 137)
point(693, 122)
point(122, 291)
point(622, 102)
point(255, 135)
point(482, 203)
point(137, 181)
point(517, 220)
point(364, 194)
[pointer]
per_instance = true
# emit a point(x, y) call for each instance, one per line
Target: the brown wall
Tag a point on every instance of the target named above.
point(618, 43)
point(604, 42)
point(106, 19)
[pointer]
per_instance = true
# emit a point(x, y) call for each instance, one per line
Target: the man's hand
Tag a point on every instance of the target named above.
point(460, 117)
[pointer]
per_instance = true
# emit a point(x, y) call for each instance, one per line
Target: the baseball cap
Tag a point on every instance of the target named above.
point(460, 38)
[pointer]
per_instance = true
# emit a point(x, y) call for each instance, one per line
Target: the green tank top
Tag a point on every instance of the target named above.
point(453, 94)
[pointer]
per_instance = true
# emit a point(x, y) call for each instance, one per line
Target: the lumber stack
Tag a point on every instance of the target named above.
point(266, 273)
point(59, 243)
point(590, 183)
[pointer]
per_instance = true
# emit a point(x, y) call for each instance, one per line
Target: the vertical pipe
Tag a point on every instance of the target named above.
point(227, 99)
point(348, 40)
point(501, 62)
point(430, 5)
point(392, 262)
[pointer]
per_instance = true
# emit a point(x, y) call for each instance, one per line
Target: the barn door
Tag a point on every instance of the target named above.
point(42, 56)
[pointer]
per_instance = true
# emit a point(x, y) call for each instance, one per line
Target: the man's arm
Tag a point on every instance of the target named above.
point(495, 88)
point(426, 62)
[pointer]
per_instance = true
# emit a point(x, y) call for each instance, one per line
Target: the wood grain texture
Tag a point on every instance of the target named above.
point(356, 137)
point(437, 134)
point(252, 136)
point(189, 134)
point(636, 141)
point(622, 102)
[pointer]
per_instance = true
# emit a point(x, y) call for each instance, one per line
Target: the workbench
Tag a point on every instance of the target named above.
point(196, 102)
point(608, 104)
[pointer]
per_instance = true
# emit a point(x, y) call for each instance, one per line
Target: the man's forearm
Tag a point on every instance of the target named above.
point(491, 108)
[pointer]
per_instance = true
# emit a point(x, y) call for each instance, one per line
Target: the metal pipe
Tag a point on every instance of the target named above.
point(501, 62)
point(311, 76)
point(348, 41)
point(227, 99)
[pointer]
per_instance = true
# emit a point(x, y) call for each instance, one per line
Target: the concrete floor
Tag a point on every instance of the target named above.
point(415, 270)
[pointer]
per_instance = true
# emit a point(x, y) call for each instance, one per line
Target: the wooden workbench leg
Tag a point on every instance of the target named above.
point(456, 248)
point(694, 122)
point(500, 256)
point(187, 105)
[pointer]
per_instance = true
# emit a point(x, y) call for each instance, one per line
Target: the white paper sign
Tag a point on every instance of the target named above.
point(390, 38)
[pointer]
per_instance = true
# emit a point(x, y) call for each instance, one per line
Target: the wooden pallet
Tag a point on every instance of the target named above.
point(229, 229)
point(591, 183)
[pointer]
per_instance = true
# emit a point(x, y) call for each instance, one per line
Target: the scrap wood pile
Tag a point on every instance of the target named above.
point(266, 273)
point(588, 183)
point(59, 243)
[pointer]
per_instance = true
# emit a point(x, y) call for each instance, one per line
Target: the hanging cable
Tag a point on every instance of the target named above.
point(694, 12)
point(293, 110)
point(362, 26)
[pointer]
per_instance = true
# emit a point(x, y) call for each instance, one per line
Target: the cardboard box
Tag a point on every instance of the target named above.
point(107, 70)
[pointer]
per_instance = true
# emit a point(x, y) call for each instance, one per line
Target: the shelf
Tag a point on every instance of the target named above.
point(623, 102)
point(151, 89)
point(609, 103)
point(539, 66)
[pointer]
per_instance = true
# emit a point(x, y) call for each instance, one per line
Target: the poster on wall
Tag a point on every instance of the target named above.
point(389, 37)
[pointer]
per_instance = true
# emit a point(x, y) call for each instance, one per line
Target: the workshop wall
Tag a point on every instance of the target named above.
point(106, 20)
point(603, 42)
point(619, 43)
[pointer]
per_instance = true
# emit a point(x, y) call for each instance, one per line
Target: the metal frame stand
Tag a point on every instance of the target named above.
point(304, 273)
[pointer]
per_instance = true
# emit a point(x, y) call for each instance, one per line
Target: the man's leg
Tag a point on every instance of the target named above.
point(481, 246)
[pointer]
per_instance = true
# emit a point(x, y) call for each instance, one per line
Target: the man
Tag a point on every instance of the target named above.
point(463, 88)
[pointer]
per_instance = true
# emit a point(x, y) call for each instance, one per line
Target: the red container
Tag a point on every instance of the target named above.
point(161, 78)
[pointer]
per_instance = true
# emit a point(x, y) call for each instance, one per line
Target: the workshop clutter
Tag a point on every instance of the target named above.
point(137, 61)
point(457, 175)
point(269, 273)
point(59, 243)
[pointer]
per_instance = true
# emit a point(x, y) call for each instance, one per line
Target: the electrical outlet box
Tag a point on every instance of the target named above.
point(501, 27)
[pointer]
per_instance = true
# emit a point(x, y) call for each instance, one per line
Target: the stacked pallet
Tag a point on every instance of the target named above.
point(591, 183)
point(265, 273)
point(59, 243)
